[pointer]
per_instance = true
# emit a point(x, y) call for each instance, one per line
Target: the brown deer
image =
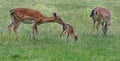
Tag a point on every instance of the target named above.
point(67, 28)
point(30, 16)
point(101, 16)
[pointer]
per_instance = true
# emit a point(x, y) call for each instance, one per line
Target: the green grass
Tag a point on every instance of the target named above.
point(89, 47)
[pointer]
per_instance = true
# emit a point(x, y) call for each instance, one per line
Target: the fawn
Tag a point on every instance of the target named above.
point(67, 28)
point(101, 16)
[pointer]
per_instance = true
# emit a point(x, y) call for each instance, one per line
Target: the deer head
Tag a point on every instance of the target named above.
point(58, 19)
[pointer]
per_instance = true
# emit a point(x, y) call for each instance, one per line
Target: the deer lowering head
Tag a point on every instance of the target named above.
point(101, 16)
point(29, 16)
point(68, 30)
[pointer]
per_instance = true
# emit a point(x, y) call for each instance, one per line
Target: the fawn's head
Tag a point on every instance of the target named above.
point(58, 19)
point(76, 37)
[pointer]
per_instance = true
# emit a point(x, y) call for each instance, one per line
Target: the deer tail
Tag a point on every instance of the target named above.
point(11, 15)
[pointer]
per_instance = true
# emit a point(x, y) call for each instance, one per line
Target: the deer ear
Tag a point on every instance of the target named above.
point(54, 14)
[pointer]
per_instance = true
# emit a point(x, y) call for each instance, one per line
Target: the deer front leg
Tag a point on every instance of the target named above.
point(61, 34)
point(105, 29)
point(93, 26)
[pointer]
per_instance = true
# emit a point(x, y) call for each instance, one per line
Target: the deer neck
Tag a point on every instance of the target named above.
point(51, 19)
point(48, 19)
point(62, 22)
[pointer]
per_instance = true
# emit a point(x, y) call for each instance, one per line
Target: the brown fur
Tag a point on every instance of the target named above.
point(19, 15)
point(67, 28)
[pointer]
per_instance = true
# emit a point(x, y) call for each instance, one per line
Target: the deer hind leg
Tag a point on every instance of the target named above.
point(108, 24)
point(9, 29)
point(15, 30)
point(36, 30)
point(33, 31)
point(105, 28)
point(65, 35)
point(67, 38)
point(93, 26)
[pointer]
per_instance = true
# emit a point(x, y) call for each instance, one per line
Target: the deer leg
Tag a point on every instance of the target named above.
point(93, 27)
point(36, 30)
point(108, 24)
point(67, 35)
point(9, 30)
point(97, 27)
point(94, 21)
point(64, 33)
point(61, 34)
point(106, 29)
point(103, 27)
point(15, 30)
point(33, 30)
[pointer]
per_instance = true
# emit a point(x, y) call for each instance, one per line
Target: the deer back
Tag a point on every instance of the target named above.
point(24, 13)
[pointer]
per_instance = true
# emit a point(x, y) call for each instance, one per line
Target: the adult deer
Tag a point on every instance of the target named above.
point(67, 28)
point(101, 16)
point(30, 16)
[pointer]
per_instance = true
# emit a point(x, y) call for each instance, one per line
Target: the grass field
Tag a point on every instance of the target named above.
point(89, 47)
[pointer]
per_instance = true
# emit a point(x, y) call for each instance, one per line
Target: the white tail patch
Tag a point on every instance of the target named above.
point(12, 19)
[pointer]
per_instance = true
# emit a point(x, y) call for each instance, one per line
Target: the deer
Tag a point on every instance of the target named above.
point(102, 17)
point(30, 16)
point(68, 30)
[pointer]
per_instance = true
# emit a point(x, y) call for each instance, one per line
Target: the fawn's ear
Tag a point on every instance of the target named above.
point(54, 14)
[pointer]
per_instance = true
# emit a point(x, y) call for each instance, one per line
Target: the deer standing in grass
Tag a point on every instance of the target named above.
point(30, 16)
point(101, 16)
point(67, 28)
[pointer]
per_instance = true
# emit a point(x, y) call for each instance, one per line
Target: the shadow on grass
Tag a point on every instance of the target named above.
point(15, 56)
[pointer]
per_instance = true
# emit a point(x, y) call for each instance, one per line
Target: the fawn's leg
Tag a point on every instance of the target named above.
point(64, 33)
point(67, 38)
point(98, 24)
point(61, 34)
point(106, 28)
point(94, 18)
point(93, 26)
